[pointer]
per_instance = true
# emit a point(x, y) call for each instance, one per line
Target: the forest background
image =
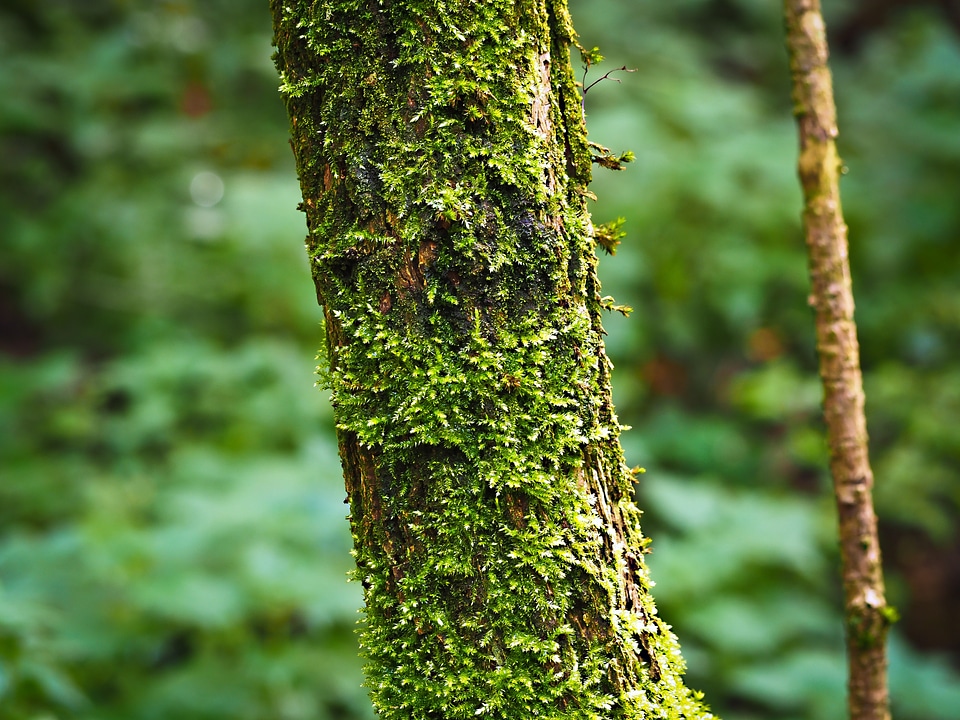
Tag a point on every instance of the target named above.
point(172, 533)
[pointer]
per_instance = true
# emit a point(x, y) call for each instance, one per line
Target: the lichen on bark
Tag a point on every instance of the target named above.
point(444, 166)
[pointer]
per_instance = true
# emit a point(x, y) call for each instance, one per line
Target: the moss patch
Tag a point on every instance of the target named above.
point(444, 166)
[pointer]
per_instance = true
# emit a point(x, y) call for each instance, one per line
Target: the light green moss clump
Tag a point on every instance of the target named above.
point(444, 165)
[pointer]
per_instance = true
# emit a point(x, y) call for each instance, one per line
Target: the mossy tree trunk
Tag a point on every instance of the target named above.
point(444, 165)
point(867, 614)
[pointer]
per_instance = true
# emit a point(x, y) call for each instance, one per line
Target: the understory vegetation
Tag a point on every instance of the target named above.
point(172, 532)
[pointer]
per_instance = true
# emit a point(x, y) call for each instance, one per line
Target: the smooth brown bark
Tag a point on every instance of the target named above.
point(867, 614)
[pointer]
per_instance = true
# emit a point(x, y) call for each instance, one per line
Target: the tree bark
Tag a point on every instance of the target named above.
point(443, 164)
point(867, 614)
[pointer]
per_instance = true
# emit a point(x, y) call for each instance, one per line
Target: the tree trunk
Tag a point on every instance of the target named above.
point(867, 614)
point(444, 165)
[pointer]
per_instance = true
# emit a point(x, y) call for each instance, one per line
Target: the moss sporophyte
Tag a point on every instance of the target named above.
point(444, 166)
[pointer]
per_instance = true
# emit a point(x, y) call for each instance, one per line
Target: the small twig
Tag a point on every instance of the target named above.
point(592, 57)
point(605, 76)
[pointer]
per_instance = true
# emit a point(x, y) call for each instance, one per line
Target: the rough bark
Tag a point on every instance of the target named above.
point(443, 163)
point(867, 613)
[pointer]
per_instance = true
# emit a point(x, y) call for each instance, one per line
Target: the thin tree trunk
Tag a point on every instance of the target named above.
point(443, 163)
point(867, 614)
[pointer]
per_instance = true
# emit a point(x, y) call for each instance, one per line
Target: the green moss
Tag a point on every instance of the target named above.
point(867, 627)
point(444, 165)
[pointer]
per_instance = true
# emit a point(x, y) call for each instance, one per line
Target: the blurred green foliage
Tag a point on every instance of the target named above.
point(172, 541)
point(172, 533)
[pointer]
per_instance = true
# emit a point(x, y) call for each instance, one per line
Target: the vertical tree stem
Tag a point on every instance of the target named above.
point(867, 614)
point(443, 163)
